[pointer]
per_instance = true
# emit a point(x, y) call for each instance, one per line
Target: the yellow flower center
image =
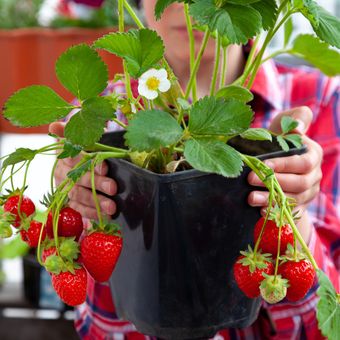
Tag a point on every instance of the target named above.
point(152, 83)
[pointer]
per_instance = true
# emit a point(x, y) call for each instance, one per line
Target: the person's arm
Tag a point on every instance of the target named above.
point(313, 179)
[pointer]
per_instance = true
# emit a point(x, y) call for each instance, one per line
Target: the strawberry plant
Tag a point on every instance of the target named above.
point(169, 129)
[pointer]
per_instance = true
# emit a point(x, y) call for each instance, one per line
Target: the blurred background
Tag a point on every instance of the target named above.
point(33, 33)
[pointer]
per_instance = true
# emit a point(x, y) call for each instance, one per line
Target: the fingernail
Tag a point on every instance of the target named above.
point(107, 187)
point(270, 164)
point(301, 127)
point(259, 198)
point(99, 169)
point(107, 207)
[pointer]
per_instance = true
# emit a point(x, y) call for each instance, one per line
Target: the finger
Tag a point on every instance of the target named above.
point(102, 183)
point(101, 169)
point(303, 198)
point(258, 198)
point(84, 196)
point(57, 128)
point(292, 182)
point(84, 210)
point(302, 114)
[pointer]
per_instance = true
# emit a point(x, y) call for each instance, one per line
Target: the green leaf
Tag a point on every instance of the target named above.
point(295, 139)
point(325, 25)
point(256, 134)
point(268, 11)
point(34, 106)
point(328, 308)
point(82, 71)
point(309, 9)
point(284, 145)
point(215, 116)
point(14, 248)
point(87, 126)
point(152, 129)
point(235, 92)
point(77, 173)
point(288, 124)
point(213, 156)
point(237, 23)
point(141, 49)
point(288, 30)
point(311, 49)
point(18, 156)
point(328, 28)
point(70, 150)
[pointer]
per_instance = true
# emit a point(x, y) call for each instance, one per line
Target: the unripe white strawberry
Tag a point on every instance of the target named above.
point(273, 288)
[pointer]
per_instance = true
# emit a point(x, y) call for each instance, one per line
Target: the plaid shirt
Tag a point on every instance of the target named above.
point(276, 88)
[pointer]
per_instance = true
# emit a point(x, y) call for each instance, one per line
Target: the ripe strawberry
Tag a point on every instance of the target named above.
point(273, 289)
point(248, 272)
point(31, 235)
point(270, 236)
point(70, 223)
point(71, 288)
point(300, 275)
point(100, 253)
point(48, 252)
point(27, 208)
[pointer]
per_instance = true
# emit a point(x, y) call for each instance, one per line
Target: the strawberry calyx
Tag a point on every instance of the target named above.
point(292, 255)
point(68, 248)
point(275, 215)
point(254, 260)
point(55, 264)
point(109, 228)
point(273, 288)
point(11, 193)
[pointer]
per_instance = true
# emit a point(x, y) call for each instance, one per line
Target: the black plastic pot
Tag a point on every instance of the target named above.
point(182, 234)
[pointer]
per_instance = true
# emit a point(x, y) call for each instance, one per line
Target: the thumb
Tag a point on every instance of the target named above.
point(303, 115)
point(57, 128)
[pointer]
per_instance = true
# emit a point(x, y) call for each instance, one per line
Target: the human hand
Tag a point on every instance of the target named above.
point(81, 196)
point(298, 175)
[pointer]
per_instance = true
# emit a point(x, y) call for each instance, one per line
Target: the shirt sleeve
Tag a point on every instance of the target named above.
point(324, 211)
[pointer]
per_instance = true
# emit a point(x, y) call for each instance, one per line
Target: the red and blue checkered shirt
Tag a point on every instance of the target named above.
point(276, 88)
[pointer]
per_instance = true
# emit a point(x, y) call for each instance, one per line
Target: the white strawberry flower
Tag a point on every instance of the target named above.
point(153, 81)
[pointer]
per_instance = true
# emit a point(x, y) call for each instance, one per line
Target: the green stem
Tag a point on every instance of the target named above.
point(224, 67)
point(11, 176)
point(121, 29)
point(121, 124)
point(23, 189)
point(197, 63)
point(192, 50)
point(274, 54)
point(52, 175)
point(258, 59)
point(102, 147)
point(95, 197)
point(217, 64)
point(133, 15)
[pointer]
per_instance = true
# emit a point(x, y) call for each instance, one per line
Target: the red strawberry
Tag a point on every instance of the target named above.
point(270, 236)
point(300, 275)
point(249, 270)
point(100, 253)
point(27, 208)
point(48, 252)
point(70, 223)
point(71, 288)
point(31, 235)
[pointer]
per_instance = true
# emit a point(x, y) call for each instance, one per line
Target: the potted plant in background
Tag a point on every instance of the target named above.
point(173, 150)
point(33, 40)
